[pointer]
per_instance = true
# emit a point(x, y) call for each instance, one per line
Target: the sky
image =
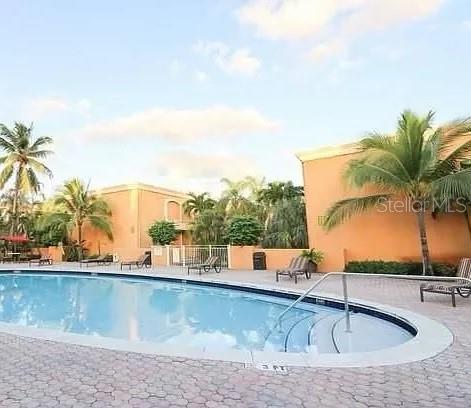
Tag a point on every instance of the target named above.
point(182, 93)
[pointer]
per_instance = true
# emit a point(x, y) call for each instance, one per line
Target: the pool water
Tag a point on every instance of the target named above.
point(175, 313)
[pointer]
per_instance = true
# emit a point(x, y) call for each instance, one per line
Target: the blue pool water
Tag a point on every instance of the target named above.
point(173, 313)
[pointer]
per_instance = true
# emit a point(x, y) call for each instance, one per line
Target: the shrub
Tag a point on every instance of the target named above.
point(398, 268)
point(244, 230)
point(162, 232)
point(313, 255)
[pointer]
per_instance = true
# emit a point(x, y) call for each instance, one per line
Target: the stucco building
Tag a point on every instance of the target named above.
point(375, 235)
point(134, 208)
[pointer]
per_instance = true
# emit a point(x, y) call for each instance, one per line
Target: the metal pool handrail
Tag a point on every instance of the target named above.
point(369, 275)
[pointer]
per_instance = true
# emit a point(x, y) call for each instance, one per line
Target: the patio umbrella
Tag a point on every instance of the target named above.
point(15, 238)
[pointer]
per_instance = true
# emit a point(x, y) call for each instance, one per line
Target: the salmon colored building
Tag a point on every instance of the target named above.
point(134, 208)
point(375, 235)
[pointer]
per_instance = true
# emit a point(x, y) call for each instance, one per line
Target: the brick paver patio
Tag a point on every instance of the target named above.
point(37, 373)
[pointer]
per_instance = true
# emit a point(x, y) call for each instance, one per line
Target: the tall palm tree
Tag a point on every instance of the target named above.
point(286, 225)
point(198, 203)
point(76, 205)
point(22, 162)
point(239, 197)
point(279, 190)
point(417, 163)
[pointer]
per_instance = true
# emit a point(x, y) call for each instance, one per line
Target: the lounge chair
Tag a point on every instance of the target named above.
point(100, 260)
point(462, 288)
point(143, 261)
point(213, 262)
point(44, 260)
point(297, 266)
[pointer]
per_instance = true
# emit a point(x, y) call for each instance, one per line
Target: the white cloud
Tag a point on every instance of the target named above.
point(330, 24)
point(38, 108)
point(466, 24)
point(186, 164)
point(239, 61)
point(184, 124)
point(192, 171)
point(201, 76)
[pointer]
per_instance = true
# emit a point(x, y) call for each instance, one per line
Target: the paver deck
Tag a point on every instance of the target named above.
point(37, 373)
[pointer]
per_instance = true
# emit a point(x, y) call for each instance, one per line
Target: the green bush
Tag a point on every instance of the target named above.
point(398, 268)
point(244, 230)
point(162, 232)
point(313, 255)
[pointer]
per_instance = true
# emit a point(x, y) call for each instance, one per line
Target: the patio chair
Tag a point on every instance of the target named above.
point(213, 262)
point(7, 258)
point(99, 260)
point(143, 261)
point(43, 260)
point(297, 266)
point(462, 288)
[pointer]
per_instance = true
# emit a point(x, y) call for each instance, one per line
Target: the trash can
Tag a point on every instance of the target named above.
point(259, 261)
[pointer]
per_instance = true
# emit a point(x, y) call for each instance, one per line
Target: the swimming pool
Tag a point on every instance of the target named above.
point(189, 315)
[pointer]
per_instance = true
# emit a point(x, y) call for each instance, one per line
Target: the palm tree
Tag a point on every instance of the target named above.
point(76, 205)
point(279, 190)
point(286, 225)
point(418, 164)
point(239, 197)
point(22, 163)
point(209, 227)
point(198, 203)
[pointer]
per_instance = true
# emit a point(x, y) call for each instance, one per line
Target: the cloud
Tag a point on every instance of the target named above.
point(201, 76)
point(186, 164)
point(330, 24)
point(239, 61)
point(38, 108)
point(184, 124)
point(194, 171)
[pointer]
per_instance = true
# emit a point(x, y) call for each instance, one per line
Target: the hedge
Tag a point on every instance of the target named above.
point(398, 268)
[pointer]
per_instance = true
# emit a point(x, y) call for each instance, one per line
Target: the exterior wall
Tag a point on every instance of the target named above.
point(241, 257)
point(373, 235)
point(134, 208)
point(280, 258)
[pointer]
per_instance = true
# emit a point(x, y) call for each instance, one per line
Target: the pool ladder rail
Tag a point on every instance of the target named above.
point(344, 276)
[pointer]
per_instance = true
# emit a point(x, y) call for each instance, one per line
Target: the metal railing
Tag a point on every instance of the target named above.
point(344, 275)
point(186, 255)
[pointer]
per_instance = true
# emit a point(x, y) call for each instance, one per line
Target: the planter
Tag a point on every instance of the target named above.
point(311, 268)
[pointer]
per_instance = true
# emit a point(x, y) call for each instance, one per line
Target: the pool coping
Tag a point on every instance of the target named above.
point(431, 339)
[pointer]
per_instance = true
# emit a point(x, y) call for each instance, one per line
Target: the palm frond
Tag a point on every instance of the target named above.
point(345, 209)
point(378, 172)
point(453, 186)
point(5, 175)
point(102, 224)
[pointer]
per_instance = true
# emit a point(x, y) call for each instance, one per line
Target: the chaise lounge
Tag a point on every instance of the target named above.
point(143, 261)
point(462, 288)
point(44, 260)
point(100, 260)
point(213, 262)
point(297, 266)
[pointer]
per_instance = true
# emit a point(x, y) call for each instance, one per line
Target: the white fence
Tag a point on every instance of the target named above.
point(196, 254)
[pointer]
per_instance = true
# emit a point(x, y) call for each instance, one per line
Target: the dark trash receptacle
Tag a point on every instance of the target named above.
point(259, 261)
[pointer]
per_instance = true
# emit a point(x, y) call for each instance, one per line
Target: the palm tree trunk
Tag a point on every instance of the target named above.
point(427, 265)
point(14, 223)
point(79, 233)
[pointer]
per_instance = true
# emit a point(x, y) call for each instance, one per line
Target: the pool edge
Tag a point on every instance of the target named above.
point(431, 339)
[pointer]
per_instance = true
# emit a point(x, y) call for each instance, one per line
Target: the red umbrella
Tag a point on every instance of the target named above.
point(15, 238)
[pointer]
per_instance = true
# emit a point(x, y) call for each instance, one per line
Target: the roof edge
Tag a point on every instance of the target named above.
point(141, 186)
point(327, 151)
